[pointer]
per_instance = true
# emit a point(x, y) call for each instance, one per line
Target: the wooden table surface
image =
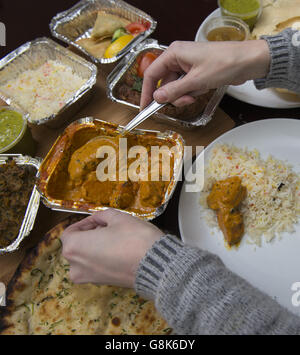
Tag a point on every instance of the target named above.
point(177, 20)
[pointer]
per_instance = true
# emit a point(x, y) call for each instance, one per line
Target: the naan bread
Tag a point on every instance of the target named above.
point(42, 300)
point(277, 15)
point(95, 48)
point(106, 24)
point(288, 95)
point(293, 23)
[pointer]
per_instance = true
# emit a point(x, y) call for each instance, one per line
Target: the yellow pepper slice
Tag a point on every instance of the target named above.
point(115, 47)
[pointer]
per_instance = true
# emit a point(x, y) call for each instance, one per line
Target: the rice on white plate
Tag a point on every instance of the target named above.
point(272, 205)
point(42, 92)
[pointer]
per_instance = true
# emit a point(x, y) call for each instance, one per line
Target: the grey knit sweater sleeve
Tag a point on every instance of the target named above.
point(197, 294)
point(285, 62)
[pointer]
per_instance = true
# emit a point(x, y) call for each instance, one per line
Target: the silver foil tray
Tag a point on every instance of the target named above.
point(78, 22)
point(58, 205)
point(32, 55)
point(116, 76)
point(33, 204)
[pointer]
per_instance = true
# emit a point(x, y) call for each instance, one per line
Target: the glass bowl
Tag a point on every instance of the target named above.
point(226, 21)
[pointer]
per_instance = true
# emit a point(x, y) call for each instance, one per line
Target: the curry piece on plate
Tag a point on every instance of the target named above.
point(225, 198)
point(77, 177)
point(16, 185)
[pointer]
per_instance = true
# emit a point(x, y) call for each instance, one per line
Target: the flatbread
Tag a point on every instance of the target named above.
point(276, 16)
point(106, 24)
point(95, 48)
point(293, 23)
point(288, 95)
point(42, 300)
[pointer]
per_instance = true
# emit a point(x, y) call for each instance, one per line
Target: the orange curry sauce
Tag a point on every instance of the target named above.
point(74, 178)
point(225, 198)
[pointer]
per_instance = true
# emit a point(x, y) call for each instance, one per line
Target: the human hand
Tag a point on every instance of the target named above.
point(107, 247)
point(208, 65)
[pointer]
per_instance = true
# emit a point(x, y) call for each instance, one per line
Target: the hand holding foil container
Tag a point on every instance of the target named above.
point(124, 87)
point(68, 179)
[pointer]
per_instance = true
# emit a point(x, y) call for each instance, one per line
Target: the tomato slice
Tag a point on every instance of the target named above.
point(135, 28)
point(146, 60)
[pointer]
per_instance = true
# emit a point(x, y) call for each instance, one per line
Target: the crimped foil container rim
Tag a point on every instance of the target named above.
point(60, 17)
point(33, 203)
point(56, 206)
point(90, 82)
point(116, 75)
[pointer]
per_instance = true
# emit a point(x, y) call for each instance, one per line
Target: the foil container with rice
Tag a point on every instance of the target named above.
point(68, 182)
point(196, 115)
point(14, 200)
point(30, 58)
point(76, 24)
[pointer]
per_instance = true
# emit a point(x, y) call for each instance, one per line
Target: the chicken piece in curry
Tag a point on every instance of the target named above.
point(76, 178)
point(84, 159)
point(225, 198)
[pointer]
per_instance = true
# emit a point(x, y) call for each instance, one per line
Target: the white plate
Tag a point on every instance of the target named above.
point(274, 267)
point(248, 92)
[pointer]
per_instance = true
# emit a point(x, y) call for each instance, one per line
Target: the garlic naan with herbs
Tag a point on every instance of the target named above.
point(41, 300)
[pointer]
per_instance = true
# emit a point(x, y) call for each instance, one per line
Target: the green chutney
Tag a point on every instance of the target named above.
point(247, 10)
point(11, 126)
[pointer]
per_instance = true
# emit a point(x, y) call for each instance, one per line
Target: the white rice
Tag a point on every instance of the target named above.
point(45, 90)
point(270, 208)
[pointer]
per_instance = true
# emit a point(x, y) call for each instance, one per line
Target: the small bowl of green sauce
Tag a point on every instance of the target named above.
point(15, 136)
point(247, 10)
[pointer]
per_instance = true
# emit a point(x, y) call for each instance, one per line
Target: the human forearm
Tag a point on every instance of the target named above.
point(197, 295)
point(253, 61)
point(208, 65)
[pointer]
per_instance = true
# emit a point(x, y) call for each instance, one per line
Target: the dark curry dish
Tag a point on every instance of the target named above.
point(16, 186)
point(68, 174)
point(130, 88)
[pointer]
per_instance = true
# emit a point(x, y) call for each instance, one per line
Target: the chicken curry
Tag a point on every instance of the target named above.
point(76, 177)
point(225, 198)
